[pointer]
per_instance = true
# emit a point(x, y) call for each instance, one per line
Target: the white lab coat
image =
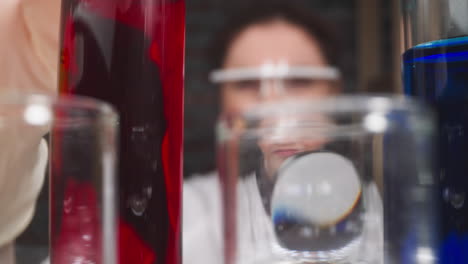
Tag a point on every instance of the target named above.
point(202, 221)
point(202, 233)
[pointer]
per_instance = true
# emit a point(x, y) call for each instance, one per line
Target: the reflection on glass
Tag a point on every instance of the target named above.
point(299, 179)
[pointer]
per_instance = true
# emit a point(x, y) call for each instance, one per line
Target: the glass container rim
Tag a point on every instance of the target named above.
point(105, 111)
point(345, 104)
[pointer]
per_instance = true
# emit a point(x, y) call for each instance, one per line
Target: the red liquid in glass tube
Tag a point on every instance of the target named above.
point(130, 53)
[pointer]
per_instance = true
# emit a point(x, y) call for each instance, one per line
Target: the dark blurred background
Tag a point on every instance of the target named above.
point(369, 32)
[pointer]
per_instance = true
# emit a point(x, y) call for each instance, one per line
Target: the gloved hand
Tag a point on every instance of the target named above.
point(29, 33)
point(28, 63)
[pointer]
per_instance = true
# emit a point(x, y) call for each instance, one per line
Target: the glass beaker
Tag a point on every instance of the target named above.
point(435, 70)
point(322, 181)
point(82, 136)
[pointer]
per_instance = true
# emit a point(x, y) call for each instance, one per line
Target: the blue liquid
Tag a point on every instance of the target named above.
point(438, 72)
point(295, 232)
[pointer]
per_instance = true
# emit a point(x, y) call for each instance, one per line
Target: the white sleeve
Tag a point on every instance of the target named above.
point(202, 240)
point(28, 61)
point(22, 169)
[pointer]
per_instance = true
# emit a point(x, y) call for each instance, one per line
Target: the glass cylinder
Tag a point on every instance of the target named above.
point(130, 53)
point(82, 137)
point(333, 180)
point(83, 197)
point(427, 21)
point(435, 70)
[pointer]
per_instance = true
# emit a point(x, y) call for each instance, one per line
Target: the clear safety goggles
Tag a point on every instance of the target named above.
point(279, 77)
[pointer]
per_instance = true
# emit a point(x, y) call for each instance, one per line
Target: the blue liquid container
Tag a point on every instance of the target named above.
point(437, 72)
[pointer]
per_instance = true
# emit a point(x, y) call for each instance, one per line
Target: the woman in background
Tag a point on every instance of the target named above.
point(259, 34)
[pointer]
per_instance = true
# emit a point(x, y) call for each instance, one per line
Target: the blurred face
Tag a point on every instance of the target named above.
point(275, 42)
point(289, 136)
point(272, 42)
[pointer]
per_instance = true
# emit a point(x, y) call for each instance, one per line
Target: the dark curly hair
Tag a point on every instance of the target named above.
point(296, 12)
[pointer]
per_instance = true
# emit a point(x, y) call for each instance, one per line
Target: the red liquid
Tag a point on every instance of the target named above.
point(130, 53)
